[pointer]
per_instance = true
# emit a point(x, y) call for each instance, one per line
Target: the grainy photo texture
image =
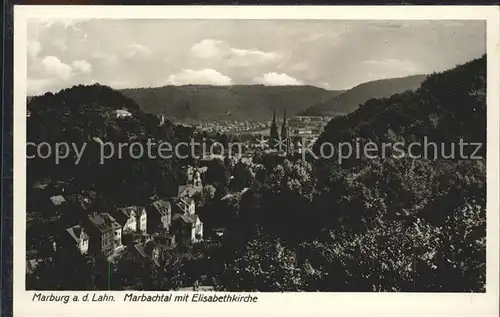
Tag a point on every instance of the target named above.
point(256, 155)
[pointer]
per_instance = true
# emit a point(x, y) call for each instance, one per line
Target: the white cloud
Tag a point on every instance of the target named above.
point(51, 66)
point(244, 50)
point(254, 54)
point(206, 76)
point(277, 79)
point(51, 74)
point(210, 49)
point(136, 50)
point(82, 66)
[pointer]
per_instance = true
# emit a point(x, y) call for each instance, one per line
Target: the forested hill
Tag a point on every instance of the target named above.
point(448, 106)
point(240, 102)
point(86, 115)
point(348, 101)
point(79, 97)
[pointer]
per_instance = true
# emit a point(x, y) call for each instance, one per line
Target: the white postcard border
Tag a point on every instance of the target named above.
point(270, 304)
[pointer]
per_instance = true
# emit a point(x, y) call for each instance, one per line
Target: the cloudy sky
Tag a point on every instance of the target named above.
point(329, 54)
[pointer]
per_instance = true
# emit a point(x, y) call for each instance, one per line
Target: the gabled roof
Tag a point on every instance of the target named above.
point(183, 203)
point(140, 248)
point(98, 140)
point(165, 238)
point(123, 112)
point(189, 219)
point(104, 222)
point(58, 200)
point(76, 232)
point(145, 249)
point(188, 190)
point(162, 206)
point(123, 214)
point(127, 211)
point(212, 157)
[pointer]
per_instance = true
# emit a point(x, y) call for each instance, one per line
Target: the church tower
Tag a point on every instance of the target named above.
point(273, 135)
point(284, 133)
point(197, 178)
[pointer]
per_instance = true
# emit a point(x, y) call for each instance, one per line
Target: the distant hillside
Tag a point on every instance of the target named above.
point(349, 101)
point(448, 106)
point(245, 102)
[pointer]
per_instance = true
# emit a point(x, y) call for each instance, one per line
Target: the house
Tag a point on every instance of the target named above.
point(145, 248)
point(142, 223)
point(227, 196)
point(105, 233)
point(163, 244)
point(80, 238)
point(194, 184)
point(183, 205)
point(189, 190)
point(127, 219)
point(122, 113)
point(57, 200)
point(162, 120)
point(166, 239)
point(31, 265)
point(157, 248)
point(159, 215)
point(132, 219)
point(186, 225)
point(194, 175)
point(210, 157)
point(188, 228)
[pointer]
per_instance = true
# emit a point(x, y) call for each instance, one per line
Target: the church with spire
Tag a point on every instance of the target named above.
point(275, 137)
point(285, 137)
point(273, 134)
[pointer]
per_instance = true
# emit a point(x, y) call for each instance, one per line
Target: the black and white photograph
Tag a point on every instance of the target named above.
point(256, 155)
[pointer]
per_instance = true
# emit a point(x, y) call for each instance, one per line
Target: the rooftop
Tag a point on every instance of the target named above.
point(188, 190)
point(76, 232)
point(58, 200)
point(104, 222)
point(190, 219)
point(162, 206)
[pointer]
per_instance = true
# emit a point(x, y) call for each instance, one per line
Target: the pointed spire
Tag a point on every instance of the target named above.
point(284, 115)
point(274, 136)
